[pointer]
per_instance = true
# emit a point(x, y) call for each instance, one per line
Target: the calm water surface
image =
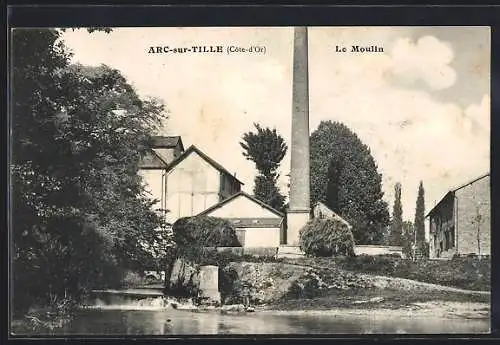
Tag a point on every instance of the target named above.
point(169, 321)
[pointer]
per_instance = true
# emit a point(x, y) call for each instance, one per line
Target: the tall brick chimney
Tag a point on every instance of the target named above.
point(299, 209)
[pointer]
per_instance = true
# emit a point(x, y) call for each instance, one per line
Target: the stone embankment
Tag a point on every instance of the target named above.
point(251, 283)
point(260, 283)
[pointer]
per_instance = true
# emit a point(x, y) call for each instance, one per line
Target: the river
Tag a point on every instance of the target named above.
point(117, 314)
point(145, 312)
point(177, 322)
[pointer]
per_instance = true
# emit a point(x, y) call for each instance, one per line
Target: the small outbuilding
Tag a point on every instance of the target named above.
point(257, 224)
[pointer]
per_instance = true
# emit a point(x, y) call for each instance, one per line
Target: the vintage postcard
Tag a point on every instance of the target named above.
point(250, 180)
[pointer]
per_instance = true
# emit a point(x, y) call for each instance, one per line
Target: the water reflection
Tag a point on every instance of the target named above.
point(168, 321)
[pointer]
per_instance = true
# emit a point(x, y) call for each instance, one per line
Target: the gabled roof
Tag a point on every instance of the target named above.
point(209, 160)
point(152, 160)
point(241, 193)
point(452, 191)
point(334, 214)
point(165, 142)
point(470, 182)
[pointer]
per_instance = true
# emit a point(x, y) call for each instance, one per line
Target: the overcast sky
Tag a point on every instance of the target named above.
point(422, 106)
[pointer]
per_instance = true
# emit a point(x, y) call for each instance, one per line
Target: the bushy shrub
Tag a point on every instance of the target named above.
point(193, 234)
point(326, 237)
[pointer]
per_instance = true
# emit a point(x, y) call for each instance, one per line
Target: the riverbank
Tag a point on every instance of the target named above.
point(294, 287)
point(434, 309)
point(385, 301)
point(358, 301)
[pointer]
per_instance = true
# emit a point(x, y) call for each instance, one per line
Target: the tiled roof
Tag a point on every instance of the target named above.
point(470, 182)
point(255, 222)
point(167, 142)
point(152, 161)
point(454, 190)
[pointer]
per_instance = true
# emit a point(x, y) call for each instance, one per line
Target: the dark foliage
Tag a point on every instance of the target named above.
point(78, 206)
point(344, 176)
point(326, 237)
point(396, 228)
point(420, 214)
point(266, 190)
point(408, 239)
point(266, 148)
point(193, 235)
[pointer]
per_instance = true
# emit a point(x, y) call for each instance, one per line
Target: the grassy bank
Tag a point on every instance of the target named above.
point(463, 273)
point(371, 298)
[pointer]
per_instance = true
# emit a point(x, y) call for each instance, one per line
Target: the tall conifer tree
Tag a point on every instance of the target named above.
point(397, 217)
point(420, 215)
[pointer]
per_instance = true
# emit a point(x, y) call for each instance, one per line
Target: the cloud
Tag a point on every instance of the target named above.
point(213, 100)
point(412, 134)
point(428, 60)
point(478, 115)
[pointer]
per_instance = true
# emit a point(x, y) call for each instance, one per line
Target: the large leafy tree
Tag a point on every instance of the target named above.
point(396, 227)
point(420, 214)
point(344, 176)
point(266, 148)
point(79, 209)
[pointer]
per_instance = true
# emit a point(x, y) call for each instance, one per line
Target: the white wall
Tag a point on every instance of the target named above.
point(153, 179)
point(262, 237)
point(377, 250)
point(192, 187)
point(242, 207)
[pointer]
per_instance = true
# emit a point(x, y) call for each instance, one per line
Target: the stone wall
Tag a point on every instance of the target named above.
point(183, 275)
point(469, 199)
point(254, 251)
point(377, 250)
point(190, 280)
point(260, 282)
